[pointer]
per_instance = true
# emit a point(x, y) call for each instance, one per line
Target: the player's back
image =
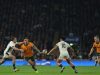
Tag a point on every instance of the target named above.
point(63, 46)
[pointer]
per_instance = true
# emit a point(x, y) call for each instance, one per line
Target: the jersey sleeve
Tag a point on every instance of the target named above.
point(57, 44)
point(68, 45)
point(11, 44)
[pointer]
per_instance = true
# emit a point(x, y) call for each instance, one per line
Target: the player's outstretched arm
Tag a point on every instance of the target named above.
point(36, 48)
point(91, 51)
point(20, 43)
point(72, 51)
point(15, 48)
point(52, 49)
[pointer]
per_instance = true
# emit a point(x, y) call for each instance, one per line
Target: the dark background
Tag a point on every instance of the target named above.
point(44, 21)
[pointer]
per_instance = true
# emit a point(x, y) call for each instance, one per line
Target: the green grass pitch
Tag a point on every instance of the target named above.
point(49, 70)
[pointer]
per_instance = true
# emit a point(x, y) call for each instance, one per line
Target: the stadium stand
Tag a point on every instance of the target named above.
point(44, 21)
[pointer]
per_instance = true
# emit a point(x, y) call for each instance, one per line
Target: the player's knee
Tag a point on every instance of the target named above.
point(13, 57)
point(59, 60)
point(68, 61)
point(2, 62)
point(31, 62)
point(58, 63)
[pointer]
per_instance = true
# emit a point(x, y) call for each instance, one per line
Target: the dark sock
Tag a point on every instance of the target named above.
point(34, 67)
point(73, 67)
point(14, 67)
point(96, 63)
point(61, 65)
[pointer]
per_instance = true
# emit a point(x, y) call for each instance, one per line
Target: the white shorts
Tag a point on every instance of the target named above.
point(7, 55)
point(62, 55)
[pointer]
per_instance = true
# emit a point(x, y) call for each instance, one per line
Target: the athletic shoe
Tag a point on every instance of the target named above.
point(36, 71)
point(76, 71)
point(62, 69)
point(16, 70)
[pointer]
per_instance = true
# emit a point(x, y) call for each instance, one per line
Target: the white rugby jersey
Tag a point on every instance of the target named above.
point(9, 47)
point(63, 46)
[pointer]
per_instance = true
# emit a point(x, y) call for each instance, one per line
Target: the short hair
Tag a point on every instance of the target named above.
point(62, 37)
point(12, 38)
point(26, 39)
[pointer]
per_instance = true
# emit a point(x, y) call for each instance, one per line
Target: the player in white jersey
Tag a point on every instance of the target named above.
point(63, 47)
point(8, 53)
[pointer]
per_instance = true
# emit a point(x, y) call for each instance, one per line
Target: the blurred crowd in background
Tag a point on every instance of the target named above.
point(44, 21)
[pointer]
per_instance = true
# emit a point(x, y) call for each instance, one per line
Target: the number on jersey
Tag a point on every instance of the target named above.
point(63, 45)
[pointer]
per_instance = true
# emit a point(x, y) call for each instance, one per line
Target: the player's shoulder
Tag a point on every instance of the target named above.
point(64, 42)
point(58, 43)
point(11, 42)
point(30, 43)
point(67, 44)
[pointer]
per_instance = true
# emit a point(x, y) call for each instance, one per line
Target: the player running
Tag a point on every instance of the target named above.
point(63, 47)
point(28, 53)
point(8, 53)
point(96, 47)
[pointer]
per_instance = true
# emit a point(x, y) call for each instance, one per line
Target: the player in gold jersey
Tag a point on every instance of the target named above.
point(28, 52)
point(96, 47)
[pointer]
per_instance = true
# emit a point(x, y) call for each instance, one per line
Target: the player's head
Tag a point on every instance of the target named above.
point(26, 41)
point(14, 39)
point(62, 38)
point(96, 38)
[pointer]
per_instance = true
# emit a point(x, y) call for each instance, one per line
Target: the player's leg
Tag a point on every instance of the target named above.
point(2, 61)
point(13, 62)
point(96, 61)
point(99, 60)
point(3, 58)
point(71, 64)
point(31, 61)
point(59, 60)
